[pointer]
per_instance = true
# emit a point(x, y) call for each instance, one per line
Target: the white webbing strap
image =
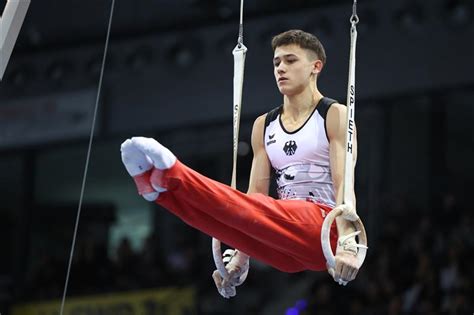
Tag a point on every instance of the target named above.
point(239, 53)
point(348, 183)
point(239, 64)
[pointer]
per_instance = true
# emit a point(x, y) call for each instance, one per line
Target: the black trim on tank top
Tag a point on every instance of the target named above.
point(323, 109)
point(323, 101)
point(271, 116)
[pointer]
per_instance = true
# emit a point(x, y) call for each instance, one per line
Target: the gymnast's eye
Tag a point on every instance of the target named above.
point(276, 63)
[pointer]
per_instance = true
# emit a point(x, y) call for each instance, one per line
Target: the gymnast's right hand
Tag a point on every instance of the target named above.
point(139, 166)
point(237, 265)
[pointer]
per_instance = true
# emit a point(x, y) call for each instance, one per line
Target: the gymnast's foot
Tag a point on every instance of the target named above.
point(139, 166)
point(160, 156)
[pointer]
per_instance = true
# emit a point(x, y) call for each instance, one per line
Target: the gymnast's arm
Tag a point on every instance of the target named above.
point(259, 183)
point(260, 172)
point(336, 128)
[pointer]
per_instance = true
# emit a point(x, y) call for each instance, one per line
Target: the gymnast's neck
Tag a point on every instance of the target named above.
point(301, 104)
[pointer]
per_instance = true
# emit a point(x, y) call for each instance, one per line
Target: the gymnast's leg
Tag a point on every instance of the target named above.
point(258, 225)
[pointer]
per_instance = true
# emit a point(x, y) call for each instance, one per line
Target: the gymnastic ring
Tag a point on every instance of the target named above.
point(326, 244)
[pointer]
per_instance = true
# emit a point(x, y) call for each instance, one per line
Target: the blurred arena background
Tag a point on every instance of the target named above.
point(169, 76)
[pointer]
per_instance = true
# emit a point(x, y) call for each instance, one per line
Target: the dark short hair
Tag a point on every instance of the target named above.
point(303, 39)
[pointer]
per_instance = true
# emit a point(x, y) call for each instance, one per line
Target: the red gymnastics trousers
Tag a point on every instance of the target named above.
point(285, 234)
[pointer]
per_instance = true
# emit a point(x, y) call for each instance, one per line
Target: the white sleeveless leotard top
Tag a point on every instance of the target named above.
point(301, 158)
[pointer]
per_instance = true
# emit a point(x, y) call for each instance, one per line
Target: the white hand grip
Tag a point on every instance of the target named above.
point(326, 244)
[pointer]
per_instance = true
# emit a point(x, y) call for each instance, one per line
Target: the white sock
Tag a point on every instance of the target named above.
point(135, 161)
point(151, 196)
point(161, 157)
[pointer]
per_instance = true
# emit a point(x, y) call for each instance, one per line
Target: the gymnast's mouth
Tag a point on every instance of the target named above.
point(282, 79)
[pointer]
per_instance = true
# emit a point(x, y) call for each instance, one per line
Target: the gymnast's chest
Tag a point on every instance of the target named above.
point(306, 144)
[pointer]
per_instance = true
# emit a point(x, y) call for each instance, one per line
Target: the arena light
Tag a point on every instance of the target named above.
point(59, 69)
point(459, 13)
point(185, 54)
point(21, 75)
point(140, 57)
point(410, 17)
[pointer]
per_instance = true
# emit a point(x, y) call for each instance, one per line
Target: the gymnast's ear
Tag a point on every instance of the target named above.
point(317, 66)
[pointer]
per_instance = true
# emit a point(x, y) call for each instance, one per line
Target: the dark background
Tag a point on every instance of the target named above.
point(169, 75)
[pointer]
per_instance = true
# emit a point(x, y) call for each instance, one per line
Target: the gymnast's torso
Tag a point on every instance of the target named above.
point(301, 158)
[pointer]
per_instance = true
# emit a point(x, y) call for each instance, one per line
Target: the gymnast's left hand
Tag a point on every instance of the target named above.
point(347, 264)
point(346, 267)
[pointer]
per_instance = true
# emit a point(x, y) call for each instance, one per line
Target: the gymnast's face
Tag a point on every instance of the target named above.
point(294, 68)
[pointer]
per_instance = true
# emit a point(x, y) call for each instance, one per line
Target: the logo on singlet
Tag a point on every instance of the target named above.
point(290, 147)
point(271, 141)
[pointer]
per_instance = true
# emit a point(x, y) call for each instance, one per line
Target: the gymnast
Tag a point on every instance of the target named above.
point(303, 141)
